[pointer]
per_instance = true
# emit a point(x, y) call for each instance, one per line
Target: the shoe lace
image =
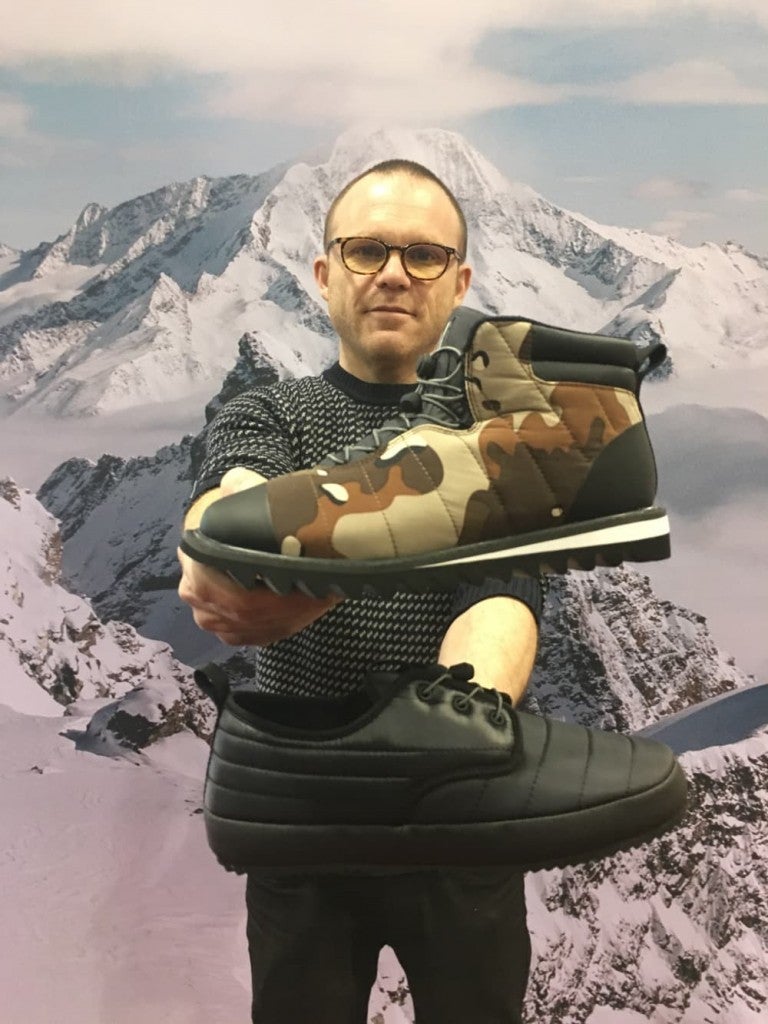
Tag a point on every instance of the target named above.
point(467, 692)
point(436, 399)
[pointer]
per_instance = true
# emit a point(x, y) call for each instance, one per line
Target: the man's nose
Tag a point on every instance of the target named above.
point(393, 272)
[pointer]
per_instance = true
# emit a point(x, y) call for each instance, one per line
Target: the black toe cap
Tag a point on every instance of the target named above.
point(241, 520)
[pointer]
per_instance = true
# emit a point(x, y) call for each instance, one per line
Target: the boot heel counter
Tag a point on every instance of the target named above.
point(621, 479)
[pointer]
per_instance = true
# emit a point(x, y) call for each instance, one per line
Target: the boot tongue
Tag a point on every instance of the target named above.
point(443, 362)
point(439, 397)
point(431, 401)
point(440, 394)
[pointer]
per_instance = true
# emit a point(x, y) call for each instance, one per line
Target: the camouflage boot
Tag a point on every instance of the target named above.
point(523, 449)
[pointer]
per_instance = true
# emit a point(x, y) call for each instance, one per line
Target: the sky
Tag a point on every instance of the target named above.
point(645, 113)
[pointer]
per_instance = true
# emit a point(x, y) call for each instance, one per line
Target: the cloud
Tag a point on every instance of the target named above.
point(586, 179)
point(19, 145)
point(670, 188)
point(338, 61)
point(14, 117)
point(689, 81)
point(746, 195)
point(437, 92)
point(675, 222)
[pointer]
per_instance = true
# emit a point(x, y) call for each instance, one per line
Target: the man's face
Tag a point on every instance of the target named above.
point(387, 321)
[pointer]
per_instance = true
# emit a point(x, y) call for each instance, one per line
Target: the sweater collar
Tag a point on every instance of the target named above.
point(364, 391)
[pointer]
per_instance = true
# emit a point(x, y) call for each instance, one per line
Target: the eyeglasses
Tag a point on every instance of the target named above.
point(424, 261)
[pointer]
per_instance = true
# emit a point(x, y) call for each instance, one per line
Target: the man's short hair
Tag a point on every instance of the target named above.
point(415, 170)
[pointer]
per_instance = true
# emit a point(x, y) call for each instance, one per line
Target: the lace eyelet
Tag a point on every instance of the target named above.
point(461, 704)
point(497, 719)
point(427, 692)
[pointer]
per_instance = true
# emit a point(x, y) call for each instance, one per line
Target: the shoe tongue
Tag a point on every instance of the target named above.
point(383, 686)
point(379, 685)
point(386, 684)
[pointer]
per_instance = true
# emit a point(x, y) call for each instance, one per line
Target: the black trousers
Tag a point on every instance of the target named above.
point(460, 936)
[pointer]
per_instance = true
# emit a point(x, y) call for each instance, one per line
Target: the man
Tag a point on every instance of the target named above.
point(314, 941)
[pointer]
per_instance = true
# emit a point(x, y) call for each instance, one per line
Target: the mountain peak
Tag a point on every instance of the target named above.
point(444, 152)
point(89, 214)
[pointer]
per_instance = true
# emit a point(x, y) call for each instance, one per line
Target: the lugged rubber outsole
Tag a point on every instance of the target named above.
point(639, 536)
point(529, 844)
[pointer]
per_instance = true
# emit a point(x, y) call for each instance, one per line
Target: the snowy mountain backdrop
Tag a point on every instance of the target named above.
point(136, 315)
point(144, 304)
point(673, 932)
point(117, 342)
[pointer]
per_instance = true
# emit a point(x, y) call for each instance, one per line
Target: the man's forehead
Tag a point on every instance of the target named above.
point(394, 198)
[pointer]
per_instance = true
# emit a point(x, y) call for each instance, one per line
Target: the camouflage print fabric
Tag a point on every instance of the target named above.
point(518, 468)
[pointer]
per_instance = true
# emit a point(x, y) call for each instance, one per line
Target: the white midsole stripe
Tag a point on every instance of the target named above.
point(647, 529)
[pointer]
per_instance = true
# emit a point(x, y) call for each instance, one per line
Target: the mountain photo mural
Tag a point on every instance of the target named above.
point(118, 343)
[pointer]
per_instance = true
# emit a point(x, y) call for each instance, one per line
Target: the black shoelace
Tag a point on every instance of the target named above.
point(461, 701)
point(436, 399)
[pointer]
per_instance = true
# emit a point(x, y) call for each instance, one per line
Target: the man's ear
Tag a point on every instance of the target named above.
point(320, 268)
point(463, 279)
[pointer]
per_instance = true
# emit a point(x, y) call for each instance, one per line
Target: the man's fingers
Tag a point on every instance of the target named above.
point(202, 586)
point(214, 622)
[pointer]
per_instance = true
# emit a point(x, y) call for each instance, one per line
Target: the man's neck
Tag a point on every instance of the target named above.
point(379, 373)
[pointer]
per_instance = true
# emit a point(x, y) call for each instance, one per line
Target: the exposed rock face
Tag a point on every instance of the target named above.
point(120, 518)
point(146, 714)
point(674, 932)
point(612, 655)
point(254, 368)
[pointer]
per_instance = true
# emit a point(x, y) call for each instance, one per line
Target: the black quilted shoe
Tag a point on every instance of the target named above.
point(524, 449)
point(423, 769)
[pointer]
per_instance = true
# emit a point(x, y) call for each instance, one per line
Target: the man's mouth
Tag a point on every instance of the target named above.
point(390, 309)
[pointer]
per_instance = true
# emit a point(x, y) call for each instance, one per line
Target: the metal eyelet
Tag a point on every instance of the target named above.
point(497, 719)
point(461, 704)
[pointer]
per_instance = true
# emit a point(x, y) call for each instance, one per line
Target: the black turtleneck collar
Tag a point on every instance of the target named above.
point(364, 391)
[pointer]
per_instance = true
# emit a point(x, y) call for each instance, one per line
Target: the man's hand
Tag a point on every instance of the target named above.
point(235, 615)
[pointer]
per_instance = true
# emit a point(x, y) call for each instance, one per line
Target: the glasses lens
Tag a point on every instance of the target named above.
point(363, 255)
point(426, 261)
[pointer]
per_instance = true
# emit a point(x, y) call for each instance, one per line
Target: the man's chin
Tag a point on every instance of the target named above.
point(385, 340)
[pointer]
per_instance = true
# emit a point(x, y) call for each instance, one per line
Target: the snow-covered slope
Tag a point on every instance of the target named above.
point(153, 296)
point(56, 653)
point(719, 721)
point(114, 909)
point(140, 923)
point(145, 303)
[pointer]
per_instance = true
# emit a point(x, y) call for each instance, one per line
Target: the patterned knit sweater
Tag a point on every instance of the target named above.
point(293, 425)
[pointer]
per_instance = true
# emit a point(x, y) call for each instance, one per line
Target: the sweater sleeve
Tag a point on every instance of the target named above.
point(253, 430)
point(527, 589)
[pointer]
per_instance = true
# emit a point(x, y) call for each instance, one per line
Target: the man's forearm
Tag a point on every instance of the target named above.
point(499, 637)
